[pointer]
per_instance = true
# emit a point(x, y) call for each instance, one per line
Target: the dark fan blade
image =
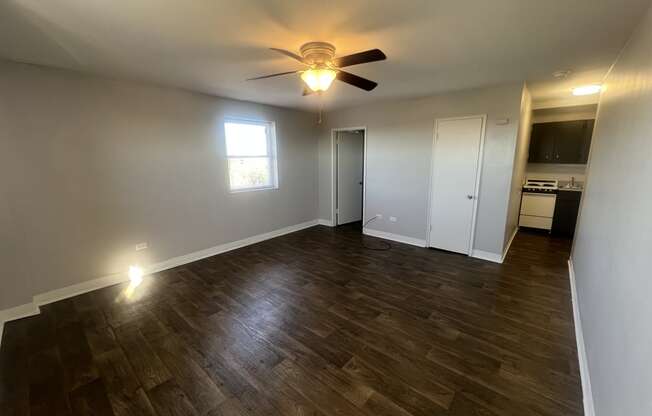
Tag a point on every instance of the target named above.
point(273, 75)
point(359, 58)
point(356, 81)
point(288, 53)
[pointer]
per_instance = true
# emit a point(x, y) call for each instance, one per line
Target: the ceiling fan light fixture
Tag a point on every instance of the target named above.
point(323, 67)
point(319, 79)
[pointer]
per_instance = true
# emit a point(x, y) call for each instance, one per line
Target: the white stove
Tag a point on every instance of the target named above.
point(541, 185)
point(538, 203)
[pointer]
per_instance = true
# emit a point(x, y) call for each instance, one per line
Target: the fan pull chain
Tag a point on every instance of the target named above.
point(321, 106)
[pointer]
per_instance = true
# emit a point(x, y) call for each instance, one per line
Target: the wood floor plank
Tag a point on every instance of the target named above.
point(138, 405)
point(404, 370)
point(76, 357)
point(169, 400)
point(146, 364)
point(231, 407)
point(204, 395)
point(100, 339)
point(463, 406)
point(323, 397)
point(47, 393)
point(396, 390)
point(91, 399)
point(14, 360)
point(123, 388)
point(257, 404)
point(310, 323)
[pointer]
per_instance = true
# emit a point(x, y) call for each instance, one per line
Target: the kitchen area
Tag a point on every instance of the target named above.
point(556, 172)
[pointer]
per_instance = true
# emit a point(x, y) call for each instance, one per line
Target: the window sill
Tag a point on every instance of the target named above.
point(245, 190)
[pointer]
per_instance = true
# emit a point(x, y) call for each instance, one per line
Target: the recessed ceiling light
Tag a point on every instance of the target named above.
point(587, 89)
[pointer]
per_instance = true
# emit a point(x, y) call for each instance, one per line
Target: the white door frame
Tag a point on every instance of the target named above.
point(476, 192)
point(334, 171)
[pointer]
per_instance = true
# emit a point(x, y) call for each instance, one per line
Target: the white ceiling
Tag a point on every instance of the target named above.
point(432, 45)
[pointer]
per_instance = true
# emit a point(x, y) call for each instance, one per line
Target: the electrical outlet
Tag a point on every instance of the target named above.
point(141, 246)
point(393, 219)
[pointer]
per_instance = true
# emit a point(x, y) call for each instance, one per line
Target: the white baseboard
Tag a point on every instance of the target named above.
point(494, 257)
point(32, 308)
point(589, 409)
point(509, 244)
point(78, 289)
point(394, 237)
point(223, 248)
point(327, 223)
point(487, 255)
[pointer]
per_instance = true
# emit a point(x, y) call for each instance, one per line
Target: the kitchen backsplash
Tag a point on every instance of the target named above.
point(556, 171)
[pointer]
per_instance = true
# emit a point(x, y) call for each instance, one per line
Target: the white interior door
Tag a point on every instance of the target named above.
point(454, 180)
point(350, 160)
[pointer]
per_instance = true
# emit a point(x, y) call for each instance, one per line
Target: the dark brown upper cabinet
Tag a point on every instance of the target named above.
point(561, 142)
point(542, 143)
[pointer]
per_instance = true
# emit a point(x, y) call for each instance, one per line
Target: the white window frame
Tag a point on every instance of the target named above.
point(270, 133)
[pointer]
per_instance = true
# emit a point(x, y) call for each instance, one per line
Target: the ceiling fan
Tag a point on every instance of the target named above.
point(323, 67)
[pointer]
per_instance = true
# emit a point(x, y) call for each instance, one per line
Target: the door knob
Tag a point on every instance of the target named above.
point(469, 196)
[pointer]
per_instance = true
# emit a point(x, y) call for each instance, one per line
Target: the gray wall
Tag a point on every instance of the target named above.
point(14, 281)
point(399, 150)
point(520, 164)
point(611, 255)
point(91, 167)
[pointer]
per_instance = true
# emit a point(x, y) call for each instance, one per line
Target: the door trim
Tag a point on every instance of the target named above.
point(476, 192)
point(334, 172)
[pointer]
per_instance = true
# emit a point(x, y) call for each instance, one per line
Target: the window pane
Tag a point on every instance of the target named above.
point(251, 172)
point(245, 139)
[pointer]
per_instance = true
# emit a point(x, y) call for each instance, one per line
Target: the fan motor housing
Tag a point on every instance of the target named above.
point(317, 53)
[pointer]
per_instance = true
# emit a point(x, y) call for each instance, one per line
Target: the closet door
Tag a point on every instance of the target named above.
point(454, 183)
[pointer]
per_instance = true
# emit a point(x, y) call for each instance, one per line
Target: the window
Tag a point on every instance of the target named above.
point(251, 153)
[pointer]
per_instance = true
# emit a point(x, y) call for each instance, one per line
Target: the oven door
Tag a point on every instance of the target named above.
point(537, 210)
point(538, 205)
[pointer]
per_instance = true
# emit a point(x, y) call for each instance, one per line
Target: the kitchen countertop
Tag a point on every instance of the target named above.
point(563, 186)
point(576, 189)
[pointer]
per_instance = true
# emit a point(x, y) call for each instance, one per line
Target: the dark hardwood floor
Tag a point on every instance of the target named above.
point(310, 323)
